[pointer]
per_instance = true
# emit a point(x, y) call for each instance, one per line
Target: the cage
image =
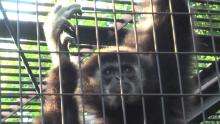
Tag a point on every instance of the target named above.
point(98, 36)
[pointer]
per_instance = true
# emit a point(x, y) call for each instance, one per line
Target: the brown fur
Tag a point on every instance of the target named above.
point(52, 105)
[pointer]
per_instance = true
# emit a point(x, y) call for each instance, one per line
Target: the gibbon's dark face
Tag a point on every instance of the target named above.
point(111, 75)
point(129, 81)
point(130, 77)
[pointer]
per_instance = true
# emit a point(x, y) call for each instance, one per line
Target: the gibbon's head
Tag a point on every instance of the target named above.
point(125, 72)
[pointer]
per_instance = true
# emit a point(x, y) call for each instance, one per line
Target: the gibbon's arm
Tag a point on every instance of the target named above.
point(52, 105)
point(56, 23)
point(144, 26)
point(53, 27)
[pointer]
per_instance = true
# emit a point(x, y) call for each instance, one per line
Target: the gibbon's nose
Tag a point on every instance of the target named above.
point(117, 77)
point(127, 88)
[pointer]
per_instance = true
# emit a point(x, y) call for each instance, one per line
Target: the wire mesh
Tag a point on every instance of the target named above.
point(94, 13)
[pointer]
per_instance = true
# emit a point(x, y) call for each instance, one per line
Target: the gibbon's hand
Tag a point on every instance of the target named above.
point(63, 12)
point(56, 24)
point(57, 20)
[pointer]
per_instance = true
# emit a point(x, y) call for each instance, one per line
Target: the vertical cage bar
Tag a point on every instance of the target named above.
point(196, 59)
point(60, 52)
point(177, 58)
point(61, 87)
point(158, 62)
point(82, 93)
point(139, 65)
point(39, 62)
point(99, 61)
point(119, 62)
point(19, 61)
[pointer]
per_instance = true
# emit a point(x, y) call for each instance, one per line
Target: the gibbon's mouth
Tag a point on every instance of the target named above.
point(126, 88)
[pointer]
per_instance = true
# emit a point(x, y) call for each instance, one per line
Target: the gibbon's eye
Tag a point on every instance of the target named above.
point(109, 70)
point(127, 69)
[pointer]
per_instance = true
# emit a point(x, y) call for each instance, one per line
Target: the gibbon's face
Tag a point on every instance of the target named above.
point(132, 77)
point(126, 78)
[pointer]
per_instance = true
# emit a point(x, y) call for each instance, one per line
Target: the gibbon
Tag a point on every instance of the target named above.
point(142, 81)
